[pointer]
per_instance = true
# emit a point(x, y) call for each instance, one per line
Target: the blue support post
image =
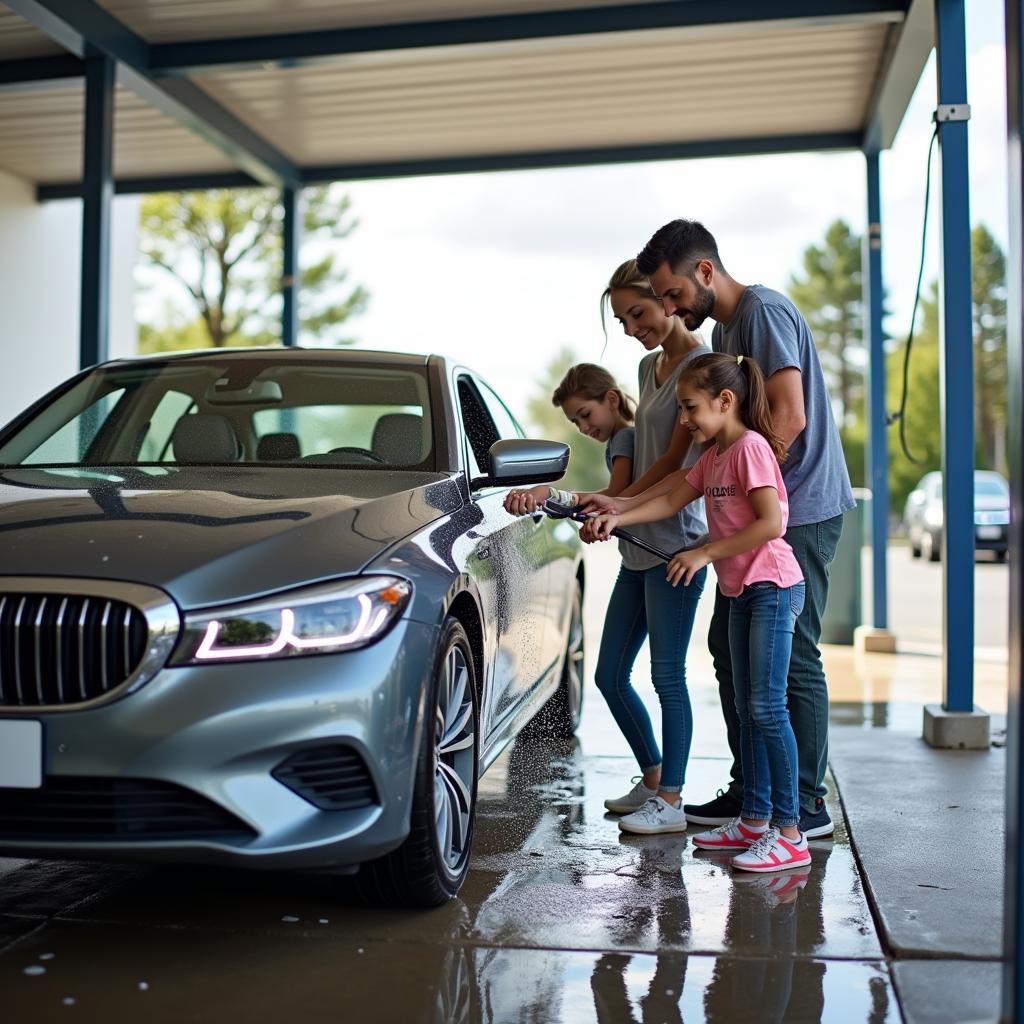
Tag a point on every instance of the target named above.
point(1013, 905)
point(957, 362)
point(290, 267)
point(97, 196)
point(878, 455)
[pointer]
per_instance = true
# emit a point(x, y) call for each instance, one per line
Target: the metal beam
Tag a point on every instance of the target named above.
point(195, 57)
point(878, 455)
point(97, 196)
point(956, 368)
point(83, 27)
point(908, 53)
point(762, 145)
point(583, 157)
point(160, 183)
point(1013, 904)
point(34, 72)
point(292, 232)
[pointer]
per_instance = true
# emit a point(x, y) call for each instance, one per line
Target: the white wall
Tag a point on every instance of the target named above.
point(40, 247)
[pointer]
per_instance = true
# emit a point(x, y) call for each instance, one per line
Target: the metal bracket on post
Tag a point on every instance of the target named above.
point(952, 112)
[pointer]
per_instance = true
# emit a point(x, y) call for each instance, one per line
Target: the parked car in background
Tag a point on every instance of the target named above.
point(265, 609)
point(923, 515)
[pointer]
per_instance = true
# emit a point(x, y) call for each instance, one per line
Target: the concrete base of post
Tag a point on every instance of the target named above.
point(871, 640)
point(956, 730)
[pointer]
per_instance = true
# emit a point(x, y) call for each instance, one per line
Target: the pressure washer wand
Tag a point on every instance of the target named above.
point(558, 511)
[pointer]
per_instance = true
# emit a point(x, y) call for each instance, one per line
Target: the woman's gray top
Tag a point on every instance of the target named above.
point(656, 417)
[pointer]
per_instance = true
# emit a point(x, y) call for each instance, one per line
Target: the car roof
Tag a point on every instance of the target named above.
point(297, 352)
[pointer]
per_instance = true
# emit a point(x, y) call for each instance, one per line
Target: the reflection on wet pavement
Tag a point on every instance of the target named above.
point(562, 919)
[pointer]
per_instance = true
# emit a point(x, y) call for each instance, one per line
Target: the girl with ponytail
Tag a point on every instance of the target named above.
point(723, 398)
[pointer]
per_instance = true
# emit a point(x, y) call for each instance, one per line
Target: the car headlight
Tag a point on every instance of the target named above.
point(338, 616)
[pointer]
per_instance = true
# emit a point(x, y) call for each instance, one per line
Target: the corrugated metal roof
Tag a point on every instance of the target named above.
point(639, 87)
point(526, 96)
point(18, 39)
point(162, 21)
point(41, 137)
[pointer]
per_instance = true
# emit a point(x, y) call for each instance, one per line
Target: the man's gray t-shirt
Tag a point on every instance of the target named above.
point(620, 445)
point(770, 329)
point(657, 413)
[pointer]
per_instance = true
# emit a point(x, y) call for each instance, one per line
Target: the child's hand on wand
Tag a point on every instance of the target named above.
point(686, 564)
point(601, 526)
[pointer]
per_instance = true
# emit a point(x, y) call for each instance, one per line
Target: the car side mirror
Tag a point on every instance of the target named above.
point(524, 461)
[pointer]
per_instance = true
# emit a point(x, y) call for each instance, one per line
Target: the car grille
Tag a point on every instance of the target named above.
point(332, 777)
point(89, 809)
point(66, 648)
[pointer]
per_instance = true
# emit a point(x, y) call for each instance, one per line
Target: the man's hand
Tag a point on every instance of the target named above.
point(686, 564)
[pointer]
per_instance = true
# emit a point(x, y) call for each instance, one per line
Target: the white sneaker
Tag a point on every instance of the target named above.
point(654, 817)
point(774, 852)
point(633, 800)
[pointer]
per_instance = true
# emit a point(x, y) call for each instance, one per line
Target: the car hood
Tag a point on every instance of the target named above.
point(210, 536)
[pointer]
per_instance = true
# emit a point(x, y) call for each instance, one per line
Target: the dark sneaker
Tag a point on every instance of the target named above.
point(720, 811)
point(817, 824)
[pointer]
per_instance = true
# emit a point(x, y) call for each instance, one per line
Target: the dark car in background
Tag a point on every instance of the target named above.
point(923, 515)
point(264, 608)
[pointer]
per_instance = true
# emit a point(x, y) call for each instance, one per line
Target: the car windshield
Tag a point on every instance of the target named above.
point(236, 410)
point(989, 487)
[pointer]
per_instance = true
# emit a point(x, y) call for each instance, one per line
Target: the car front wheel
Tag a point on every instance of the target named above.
point(428, 869)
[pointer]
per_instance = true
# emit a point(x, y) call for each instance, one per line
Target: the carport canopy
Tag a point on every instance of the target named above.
point(290, 92)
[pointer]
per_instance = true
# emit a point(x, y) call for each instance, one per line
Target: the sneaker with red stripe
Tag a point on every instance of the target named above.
point(734, 836)
point(773, 852)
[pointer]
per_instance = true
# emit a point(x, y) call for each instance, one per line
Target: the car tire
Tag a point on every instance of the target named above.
point(428, 869)
point(559, 718)
point(931, 547)
point(915, 551)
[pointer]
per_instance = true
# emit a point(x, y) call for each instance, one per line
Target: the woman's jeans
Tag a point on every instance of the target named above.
point(644, 602)
point(761, 623)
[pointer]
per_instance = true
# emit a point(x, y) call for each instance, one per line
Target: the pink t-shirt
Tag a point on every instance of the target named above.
point(726, 480)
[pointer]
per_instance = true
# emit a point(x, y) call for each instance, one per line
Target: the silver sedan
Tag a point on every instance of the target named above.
point(264, 608)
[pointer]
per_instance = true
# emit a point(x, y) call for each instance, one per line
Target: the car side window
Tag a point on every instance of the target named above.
point(508, 428)
point(480, 430)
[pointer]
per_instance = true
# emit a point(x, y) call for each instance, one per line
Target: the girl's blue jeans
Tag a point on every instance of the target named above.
point(761, 623)
point(644, 603)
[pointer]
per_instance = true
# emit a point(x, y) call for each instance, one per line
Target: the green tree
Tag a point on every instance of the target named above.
point(830, 295)
point(223, 248)
point(988, 287)
point(587, 469)
point(921, 415)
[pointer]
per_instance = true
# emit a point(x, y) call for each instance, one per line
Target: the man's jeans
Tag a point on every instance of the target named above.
point(807, 693)
point(761, 622)
point(642, 602)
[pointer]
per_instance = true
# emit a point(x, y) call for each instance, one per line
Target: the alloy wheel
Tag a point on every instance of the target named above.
point(454, 760)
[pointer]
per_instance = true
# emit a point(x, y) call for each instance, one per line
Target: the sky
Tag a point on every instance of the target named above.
point(502, 270)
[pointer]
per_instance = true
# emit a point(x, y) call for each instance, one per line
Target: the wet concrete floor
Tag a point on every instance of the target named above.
point(562, 919)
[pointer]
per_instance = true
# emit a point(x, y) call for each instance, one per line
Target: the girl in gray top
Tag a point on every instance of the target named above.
point(598, 407)
point(643, 603)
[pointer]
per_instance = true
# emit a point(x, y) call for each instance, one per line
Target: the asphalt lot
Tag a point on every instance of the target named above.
point(915, 598)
